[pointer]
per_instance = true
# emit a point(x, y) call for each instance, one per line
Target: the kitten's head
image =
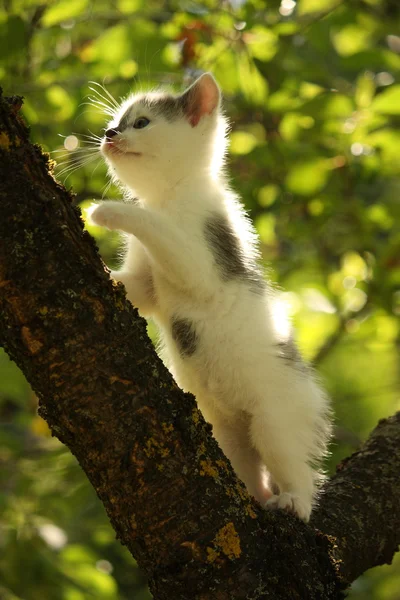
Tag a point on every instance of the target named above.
point(162, 137)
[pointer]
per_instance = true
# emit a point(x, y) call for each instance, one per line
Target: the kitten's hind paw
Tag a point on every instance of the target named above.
point(290, 503)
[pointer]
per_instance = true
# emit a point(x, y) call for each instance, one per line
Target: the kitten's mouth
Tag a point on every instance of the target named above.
point(111, 147)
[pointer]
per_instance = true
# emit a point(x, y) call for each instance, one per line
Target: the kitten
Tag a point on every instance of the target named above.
point(191, 264)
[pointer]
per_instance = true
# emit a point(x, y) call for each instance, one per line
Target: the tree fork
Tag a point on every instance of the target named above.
point(170, 493)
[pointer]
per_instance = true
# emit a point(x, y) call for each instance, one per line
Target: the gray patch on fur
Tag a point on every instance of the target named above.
point(274, 487)
point(170, 107)
point(228, 254)
point(257, 283)
point(290, 353)
point(185, 336)
point(124, 121)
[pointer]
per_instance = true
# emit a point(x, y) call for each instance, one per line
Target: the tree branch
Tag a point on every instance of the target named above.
point(169, 492)
point(360, 507)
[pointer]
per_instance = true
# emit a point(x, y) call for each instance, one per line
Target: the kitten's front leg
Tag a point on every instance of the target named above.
point(135, 273)
point(171, 249)
point(108, 214)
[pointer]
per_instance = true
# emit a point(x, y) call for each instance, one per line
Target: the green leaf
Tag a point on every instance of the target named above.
point(129, 6)
point(305, 7)
point(329, 105)
point(282, 101)
point(253, 85)
point(265, 225)
point(308, 177)
point(267, 195)
point(262, 43)
point(351, 39)
point(365, 90)
point(112, 46)
point(388, 102)
point(61, 100)
point(388, 142)
point(62, 11)
point(242, 142)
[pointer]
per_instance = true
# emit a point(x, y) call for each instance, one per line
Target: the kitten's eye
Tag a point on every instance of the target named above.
point(141, 122)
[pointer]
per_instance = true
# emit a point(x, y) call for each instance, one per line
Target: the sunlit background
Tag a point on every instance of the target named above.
point(312, 90)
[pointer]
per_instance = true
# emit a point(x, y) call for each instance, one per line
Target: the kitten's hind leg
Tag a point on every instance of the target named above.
point(286, 458)
point(139, 290)
point(234, 439)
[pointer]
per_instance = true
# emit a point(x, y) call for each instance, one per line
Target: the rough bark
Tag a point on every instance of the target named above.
point(360, 507)
point(169, 492)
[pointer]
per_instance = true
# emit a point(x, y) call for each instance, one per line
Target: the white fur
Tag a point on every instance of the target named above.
point(265, 410)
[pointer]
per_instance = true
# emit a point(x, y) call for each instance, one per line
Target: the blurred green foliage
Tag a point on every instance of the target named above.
point(312, 90)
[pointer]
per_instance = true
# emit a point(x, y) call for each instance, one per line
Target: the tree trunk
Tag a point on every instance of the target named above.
point(170, 493)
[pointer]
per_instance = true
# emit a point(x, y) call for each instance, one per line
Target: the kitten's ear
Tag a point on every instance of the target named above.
point(202, 98)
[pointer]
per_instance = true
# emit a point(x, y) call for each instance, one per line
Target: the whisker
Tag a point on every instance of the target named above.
point(111, 100)
point(88, 146)
point(101, 102)
point(72, 160)
point(88, 151)
point(96, 167)
point(109, 94)
point(95, 102)
point(79, 155)
point(72, 168)
point(90, 141)
point(151, 60)
point(85, 148)
point(106, 188)
point(61, 152)
point(100, 106)
point(103, 99)
point(68, 173)
point(91, 136)
point(88, 110)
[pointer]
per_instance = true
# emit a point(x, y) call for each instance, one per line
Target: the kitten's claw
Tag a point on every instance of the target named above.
point(290, 503)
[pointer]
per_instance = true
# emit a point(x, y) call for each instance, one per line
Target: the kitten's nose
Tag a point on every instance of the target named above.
point(111, 132)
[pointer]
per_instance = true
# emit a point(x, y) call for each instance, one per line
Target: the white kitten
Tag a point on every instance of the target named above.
point(191, 264)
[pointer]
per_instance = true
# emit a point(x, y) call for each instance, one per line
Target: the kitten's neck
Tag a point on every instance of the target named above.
point(183, 190)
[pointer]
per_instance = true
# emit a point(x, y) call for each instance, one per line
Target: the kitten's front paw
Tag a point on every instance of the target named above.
point(103, 215)
point(290, 503)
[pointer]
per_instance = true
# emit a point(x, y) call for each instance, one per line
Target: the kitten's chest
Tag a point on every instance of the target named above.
point(166, 294)
point(190, 260)
point(171, 298)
